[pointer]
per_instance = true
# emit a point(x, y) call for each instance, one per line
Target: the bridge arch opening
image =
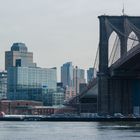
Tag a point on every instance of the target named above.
point(132, 41)
point(113, 48)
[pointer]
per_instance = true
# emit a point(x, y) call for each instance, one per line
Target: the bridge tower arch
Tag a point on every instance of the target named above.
point(122, 26)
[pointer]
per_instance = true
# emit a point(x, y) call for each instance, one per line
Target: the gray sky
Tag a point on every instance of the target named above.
point(57, 31)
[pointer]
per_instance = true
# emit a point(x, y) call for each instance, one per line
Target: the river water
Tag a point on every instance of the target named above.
point(69, 131)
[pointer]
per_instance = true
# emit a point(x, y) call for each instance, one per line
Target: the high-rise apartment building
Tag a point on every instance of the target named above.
point(19, 56)
point(67, 74)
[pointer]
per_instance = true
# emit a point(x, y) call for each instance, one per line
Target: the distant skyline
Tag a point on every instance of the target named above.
point(57, 31)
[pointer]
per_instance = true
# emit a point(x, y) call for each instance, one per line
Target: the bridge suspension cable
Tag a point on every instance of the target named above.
point(96, 61)
point(133, 43)
point(113, 55)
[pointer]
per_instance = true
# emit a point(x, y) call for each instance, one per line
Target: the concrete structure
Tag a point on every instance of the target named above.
point(3, 85)
point(19, 56)
point(67, 74)
point(115, 82)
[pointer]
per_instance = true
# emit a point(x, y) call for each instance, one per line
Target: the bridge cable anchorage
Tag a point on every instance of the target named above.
point(118, 31)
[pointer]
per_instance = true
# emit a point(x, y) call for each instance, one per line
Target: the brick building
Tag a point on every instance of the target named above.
point(17, 106)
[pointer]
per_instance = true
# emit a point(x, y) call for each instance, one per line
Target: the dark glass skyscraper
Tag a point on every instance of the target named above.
point(67, 74)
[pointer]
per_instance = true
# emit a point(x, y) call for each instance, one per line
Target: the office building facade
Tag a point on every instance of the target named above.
point(19, 56)
point(3, 85)
point(53, 98)
point(26, 83)
point(25, 80)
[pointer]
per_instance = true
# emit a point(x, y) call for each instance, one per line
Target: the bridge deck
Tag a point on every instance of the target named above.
point(129, 62)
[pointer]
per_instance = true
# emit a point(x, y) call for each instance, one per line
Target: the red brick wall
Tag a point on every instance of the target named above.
point(17, 107)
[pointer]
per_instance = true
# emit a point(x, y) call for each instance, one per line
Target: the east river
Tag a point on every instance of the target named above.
point(69, 131)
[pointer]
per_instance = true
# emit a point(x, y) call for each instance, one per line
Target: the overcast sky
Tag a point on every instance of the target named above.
point(57, 31)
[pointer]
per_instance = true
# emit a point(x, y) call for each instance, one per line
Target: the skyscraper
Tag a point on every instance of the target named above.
point(67, 74)
point(78, 78)
point(71, 78)
point(25, 80)
point(19, 56)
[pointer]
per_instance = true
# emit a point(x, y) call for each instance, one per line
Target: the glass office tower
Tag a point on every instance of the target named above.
point(27, 83)
point(67, 74)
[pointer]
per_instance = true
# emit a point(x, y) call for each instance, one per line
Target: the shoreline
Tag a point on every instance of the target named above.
point(61, 119)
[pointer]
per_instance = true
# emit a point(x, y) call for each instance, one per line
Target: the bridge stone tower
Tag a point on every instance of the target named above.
point(118, 87)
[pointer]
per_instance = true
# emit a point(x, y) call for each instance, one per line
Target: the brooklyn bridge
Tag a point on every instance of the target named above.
point(117, 86)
